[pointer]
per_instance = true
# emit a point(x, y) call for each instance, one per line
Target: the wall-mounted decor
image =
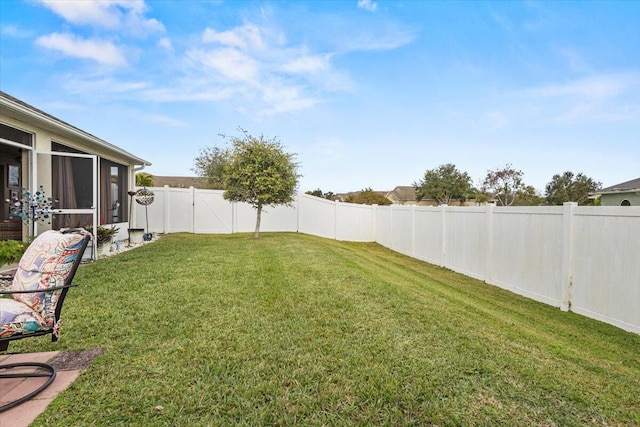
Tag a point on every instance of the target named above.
point(14, 176)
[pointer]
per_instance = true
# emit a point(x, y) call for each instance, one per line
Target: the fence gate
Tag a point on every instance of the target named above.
point(211, 213)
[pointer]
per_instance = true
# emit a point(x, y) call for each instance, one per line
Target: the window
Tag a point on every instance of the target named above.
point(15, 135)
point(113, 192)
point(625, 203)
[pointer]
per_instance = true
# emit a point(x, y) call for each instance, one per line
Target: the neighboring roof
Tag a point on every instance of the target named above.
point(179, 181)
point(633, 185)
point(402, 193)
point(24, 112)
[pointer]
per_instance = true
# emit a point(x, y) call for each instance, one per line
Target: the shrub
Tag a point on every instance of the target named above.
point(11, 251)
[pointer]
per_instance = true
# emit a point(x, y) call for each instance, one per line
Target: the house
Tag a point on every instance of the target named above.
point(623, 194)
point(88, 178)
point(406, 195)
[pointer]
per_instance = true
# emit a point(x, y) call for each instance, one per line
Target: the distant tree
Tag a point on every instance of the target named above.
point(318, 193)
point(259, 172)
point(476, 194)
point(505, 184)
point(444, 184)
point(144, 179)
point(570, 188)
point(528, 197)
point(210, 165)
point(367, 197)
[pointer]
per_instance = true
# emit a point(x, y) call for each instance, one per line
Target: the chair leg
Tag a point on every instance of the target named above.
point(46, 371)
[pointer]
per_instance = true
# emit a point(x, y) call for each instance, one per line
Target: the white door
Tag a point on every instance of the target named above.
point(72, 179)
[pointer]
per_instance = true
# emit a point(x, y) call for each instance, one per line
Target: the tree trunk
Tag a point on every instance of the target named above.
point(256, 234)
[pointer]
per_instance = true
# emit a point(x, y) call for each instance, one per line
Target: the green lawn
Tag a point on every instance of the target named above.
point(297, 330)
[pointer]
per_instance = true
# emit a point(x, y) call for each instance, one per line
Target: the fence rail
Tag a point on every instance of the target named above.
point(582, 259)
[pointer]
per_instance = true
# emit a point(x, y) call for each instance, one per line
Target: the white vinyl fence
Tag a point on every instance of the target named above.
point(583, 259)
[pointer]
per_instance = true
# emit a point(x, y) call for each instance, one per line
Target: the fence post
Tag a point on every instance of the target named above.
point(166, 209)
point(374, 222)
point(413, 231)
point(443, 246)
point(567, 255)
point(297, 212)
point(335, 220)
point(234, 220)
point(489, 236)
point(391, 240)
point(193, 209)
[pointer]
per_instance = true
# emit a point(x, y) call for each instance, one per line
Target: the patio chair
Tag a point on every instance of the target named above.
point(40, 284)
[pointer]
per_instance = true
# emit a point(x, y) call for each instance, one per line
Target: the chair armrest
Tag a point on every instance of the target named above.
point(55, 288)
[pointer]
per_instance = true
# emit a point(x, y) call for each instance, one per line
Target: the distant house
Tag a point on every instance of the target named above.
point(88, 178)
point(623, 194)
point(406, 195)
point(180, 181)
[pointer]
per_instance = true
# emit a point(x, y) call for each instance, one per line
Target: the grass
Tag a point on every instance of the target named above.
point(297, 330)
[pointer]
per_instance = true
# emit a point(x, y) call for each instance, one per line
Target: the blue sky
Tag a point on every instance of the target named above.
point(367, 93)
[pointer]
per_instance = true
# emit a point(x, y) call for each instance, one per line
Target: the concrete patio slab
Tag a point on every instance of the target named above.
point(10, 389)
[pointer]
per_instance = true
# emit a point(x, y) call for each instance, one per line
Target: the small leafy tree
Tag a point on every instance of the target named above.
point(210, 164)
point(144, 179)
point(367, 197)
point(505, 184)
point(570, 188)
point(329, 195)
point(258, 171)
point(444, 184)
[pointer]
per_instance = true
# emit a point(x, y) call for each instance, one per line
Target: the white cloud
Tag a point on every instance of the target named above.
point(15, 31)
point(378, 39)
point(165, 43)
point(603, 97)
point(267, 75)
point(593, 87)
point(307, 64)
point(369, 5)
point(97, 86)
point(230, 64)
point(251, 65)
point(121, 15)
point(165, 120)
point(246, 37)
point(255, 67)
point(100, 51)
point(187, 92)
point(282, 99)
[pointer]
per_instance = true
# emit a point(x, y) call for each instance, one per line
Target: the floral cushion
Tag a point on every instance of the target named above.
point(46, 263)
point(18, 318)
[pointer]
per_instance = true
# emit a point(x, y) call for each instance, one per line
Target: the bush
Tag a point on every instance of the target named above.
point(368, 197)
point(11, 251)
point(104, 234)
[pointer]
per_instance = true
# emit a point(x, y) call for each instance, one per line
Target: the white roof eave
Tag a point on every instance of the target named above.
point(23, 113)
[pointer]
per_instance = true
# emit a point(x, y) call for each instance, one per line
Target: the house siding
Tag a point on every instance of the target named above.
point(47, 129)
point(616, 199)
